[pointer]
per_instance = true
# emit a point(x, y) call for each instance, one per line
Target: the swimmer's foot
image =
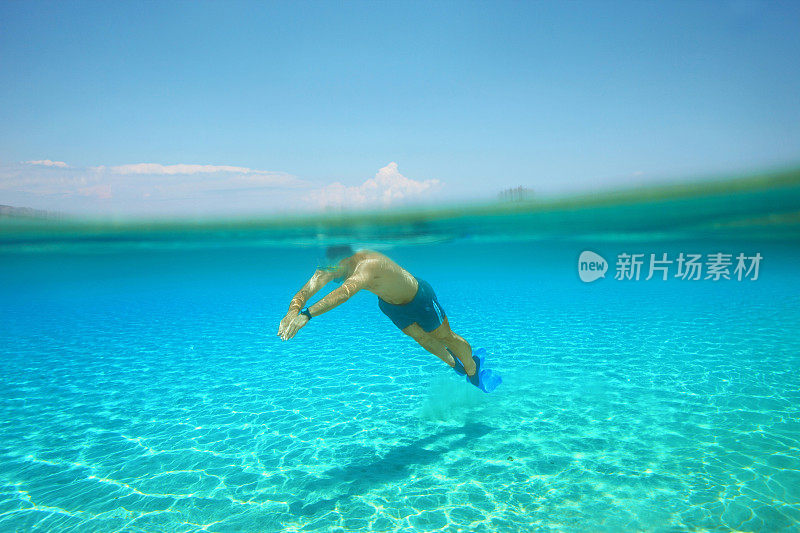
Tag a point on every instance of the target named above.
point(483, 378)
point(475, 378)
point(459, 366)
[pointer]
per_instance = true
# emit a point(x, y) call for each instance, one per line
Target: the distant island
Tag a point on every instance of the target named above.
point(9, 211)
point(517, 194)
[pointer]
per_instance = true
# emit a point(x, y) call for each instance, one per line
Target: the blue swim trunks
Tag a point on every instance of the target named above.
point(424, 309)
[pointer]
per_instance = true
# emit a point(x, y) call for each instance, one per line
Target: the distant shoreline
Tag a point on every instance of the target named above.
point(10, 211)
point(576, 201)
point(760, 207)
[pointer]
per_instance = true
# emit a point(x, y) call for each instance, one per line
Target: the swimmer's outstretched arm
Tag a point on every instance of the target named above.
point(338, 296)
point(312, 286)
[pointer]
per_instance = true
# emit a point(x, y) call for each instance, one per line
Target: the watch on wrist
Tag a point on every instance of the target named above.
point(306, 312)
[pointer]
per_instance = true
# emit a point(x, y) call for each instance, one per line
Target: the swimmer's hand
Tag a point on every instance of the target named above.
point(298, 321)
point(285, 322)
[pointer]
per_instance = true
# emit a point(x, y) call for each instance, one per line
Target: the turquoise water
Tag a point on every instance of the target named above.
point(144, 389)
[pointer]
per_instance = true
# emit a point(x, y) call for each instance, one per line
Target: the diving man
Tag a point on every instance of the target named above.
point(408, 301)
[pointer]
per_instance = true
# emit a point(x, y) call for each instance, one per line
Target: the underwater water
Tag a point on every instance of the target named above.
point(144, 389)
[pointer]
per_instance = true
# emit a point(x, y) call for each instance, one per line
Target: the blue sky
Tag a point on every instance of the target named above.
point(267, 107)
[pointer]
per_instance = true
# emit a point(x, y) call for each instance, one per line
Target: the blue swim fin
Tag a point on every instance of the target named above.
point(483, 378)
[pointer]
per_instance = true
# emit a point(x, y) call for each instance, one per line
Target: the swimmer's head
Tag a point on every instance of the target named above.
point(333, 256)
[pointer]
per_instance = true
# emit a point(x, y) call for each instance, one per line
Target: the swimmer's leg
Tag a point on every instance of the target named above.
point(430, 343)
point(457, 345)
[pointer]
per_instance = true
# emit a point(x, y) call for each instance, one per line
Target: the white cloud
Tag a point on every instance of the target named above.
point(388, 187)
point(191, 189)
point(171, 170)
point(148, 188)
point(48, 163)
